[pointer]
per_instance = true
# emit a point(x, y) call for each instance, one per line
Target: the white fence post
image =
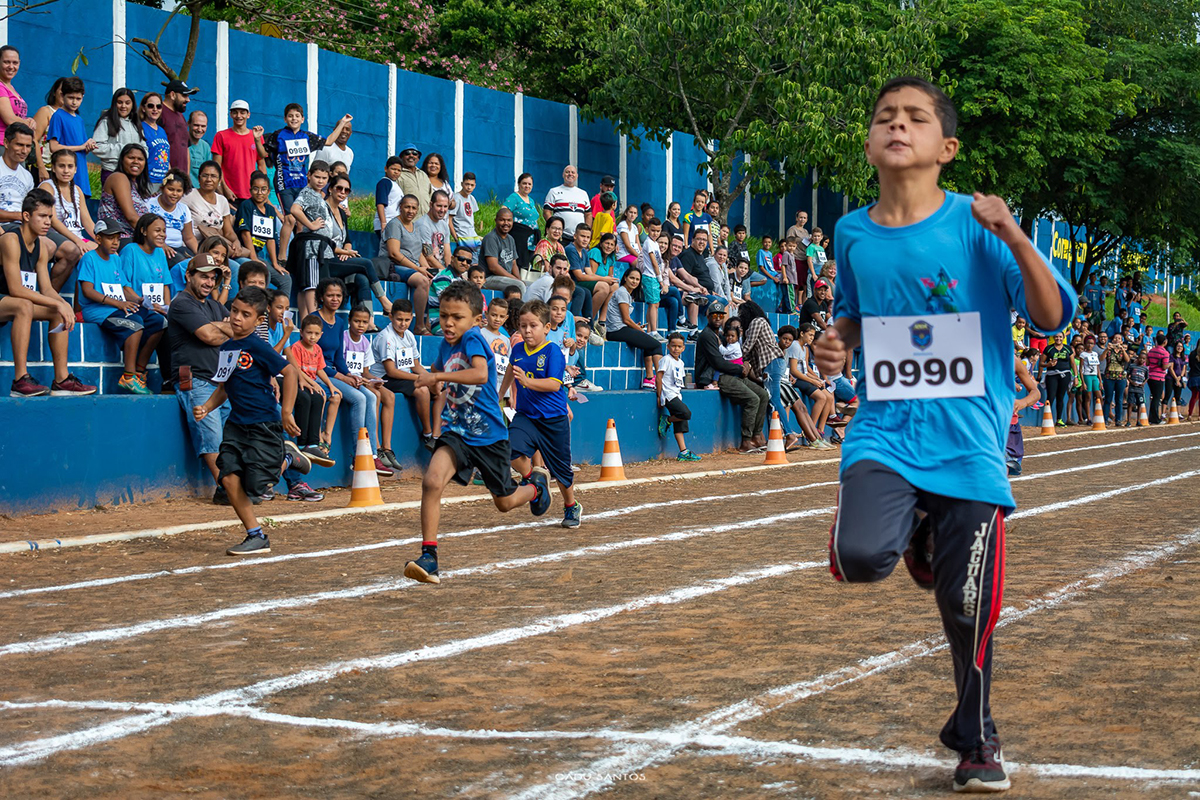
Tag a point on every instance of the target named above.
point(518, 135)
point(312, 87)
point(391, 95)
point(118, 42)
point(459, 90)
point(622, 168)
point(670, 177)
point(222, 66)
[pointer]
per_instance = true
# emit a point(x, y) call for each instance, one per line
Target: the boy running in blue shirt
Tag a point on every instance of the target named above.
point(926, 282)
point(541, 423)
point(253, 451)
point(473, 433)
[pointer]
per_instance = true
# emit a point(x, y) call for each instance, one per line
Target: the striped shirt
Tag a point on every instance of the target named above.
point(759, 346)
point(1156, 362)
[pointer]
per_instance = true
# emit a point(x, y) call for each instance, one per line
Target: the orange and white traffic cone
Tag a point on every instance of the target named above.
point(364, 487)
point(1173, 417)
point(775, 451)
point(1048, 421)
point(1143, 418)
point(1098, 418)
point(611, 468)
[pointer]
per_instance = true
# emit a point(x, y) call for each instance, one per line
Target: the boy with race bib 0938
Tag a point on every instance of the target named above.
point(926, 282)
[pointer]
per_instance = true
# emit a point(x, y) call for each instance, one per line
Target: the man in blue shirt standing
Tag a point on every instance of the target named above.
point(926, 280)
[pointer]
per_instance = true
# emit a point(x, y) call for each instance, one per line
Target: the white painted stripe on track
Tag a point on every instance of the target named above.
point(63, 641)
point(1123, 443)
point(27, 752)
point(332, 513)
point(736, 745)
point(638, 757)
point(259, 562)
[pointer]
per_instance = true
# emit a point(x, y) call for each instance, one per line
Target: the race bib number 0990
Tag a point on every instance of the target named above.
point(923, 358)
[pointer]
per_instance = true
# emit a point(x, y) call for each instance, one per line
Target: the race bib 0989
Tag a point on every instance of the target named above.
point(928, 357)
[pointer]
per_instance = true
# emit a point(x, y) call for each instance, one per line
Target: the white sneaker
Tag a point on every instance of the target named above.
point(658, 336)
point(587, 386)
point(595, 339)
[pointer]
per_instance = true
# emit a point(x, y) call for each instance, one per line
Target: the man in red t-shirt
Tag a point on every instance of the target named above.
point(236, 150)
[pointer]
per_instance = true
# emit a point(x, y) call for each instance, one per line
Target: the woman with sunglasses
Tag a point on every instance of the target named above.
point(157, 145)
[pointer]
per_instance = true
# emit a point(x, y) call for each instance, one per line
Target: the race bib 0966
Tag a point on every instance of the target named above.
point(928, 357)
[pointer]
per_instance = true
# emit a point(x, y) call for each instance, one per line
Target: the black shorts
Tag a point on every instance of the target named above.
point(252, 452)
point(492, 460)
point(549, 435)
point(398, 386)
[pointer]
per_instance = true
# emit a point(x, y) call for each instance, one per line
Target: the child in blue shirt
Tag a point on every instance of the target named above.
point(473, 433)
point(254, 453)
point(66, 131)
point(541, 423)
point(107, 299)
point(926, 282)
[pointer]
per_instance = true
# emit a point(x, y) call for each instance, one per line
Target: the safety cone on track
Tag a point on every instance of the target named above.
point(1098, 418)
point(1048, 421)
point(611, 468)
point(1143, 418)
point(775, 451)
point(364, 487)
point(1173, 417)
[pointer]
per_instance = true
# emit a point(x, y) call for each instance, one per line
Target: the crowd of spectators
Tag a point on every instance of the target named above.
point(185, 221)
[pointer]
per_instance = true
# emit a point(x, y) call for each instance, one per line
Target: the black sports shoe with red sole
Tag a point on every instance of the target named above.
point(981, 770)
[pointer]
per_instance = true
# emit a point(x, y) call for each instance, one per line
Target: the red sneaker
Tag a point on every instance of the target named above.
point(26, 386)
point(382, 470)
point(71, 386)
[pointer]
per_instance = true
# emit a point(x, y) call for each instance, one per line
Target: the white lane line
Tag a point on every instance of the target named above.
point(618, 512)
point(362, 548)
point(332, 513)
point(26, 752)
point(737, 745)
point(1102, 446)
point(63, 641)
point(640, 756)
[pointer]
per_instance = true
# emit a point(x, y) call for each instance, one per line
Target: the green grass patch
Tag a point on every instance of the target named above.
point(1156, 311)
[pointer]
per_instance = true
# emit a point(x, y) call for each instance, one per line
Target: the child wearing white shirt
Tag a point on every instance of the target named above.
point(395, 354)
point(668, 384)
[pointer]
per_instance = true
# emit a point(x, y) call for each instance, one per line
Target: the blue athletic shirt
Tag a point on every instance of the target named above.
point(945, 263)
point(545, 362)
point(249, 386)
point(140, 268)
point(98, 271)
point(291, 172)
point(472, 410)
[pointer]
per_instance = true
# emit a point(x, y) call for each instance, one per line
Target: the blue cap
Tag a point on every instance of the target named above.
point(411, 146)
point(717, 306)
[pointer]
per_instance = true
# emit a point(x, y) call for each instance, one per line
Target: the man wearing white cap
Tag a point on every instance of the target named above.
point(236, 150)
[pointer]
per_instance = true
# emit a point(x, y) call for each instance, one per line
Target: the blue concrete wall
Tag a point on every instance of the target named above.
point(352, 86)
point(488, 139)
point(599, 155)
point(424, 115)
point(547, 145)
point(646, 176)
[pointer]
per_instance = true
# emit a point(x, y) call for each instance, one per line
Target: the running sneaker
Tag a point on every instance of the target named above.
point(573, 516)
point(596, 339)
point(835, 438)
point(918, 556)
point(302, 491)
point(317, 455)
point(71, 386)
point(540, 503)
point(658, 336)
point(131, 384)
point(297, 459)
point(664, 424)
point(253, 544)
point(648, 383)
point(587, 386)
point(389, 459)
point(424, 569)
point(687, 455)
point(982, 769)
point(476, 478)
point(26, 386)
point(428, 441)
point(266, 496)
point(383, 470)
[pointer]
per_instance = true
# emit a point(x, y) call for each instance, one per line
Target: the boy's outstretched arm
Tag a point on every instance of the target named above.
point(832, 350)
point(1041, 290)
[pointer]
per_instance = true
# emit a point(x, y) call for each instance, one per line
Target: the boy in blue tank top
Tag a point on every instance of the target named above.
point(926, 282)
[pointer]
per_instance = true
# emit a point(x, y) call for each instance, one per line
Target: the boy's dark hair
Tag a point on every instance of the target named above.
point(37, 198)
point(401, 304)
point(16, 129)
point(394, 161)
point(499, 302)
point(558, 257)
point(362, 308)
point(676, 335)
point(655, 221)
point(608, 201)
point(815, 231)
point(318, 166)
point(699, 193)
point(293, 107)
point(582, 225)
point(72, 85)
point(767, 238)
point(324, 284)
point(249, 269)
point(462, 248)
point(510, 290)
point(254, 297)
point(1160, 338)
point(538, 309)
point(259, 175)
point(942, 105)
point(739, 228)
point(788, 330)
point(139, 227)
point(312, 319)
point(463, 292)
point(471, 270)
point(469, 176)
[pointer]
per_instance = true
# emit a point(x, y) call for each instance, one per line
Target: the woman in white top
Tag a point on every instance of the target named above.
point(628, 248)
point(118, 126)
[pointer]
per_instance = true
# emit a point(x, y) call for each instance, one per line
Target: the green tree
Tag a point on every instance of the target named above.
point(784, 82)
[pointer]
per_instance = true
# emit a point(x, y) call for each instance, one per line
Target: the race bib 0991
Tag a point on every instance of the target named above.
point(930, 357)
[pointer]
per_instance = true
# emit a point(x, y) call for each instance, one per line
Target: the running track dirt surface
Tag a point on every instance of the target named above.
point(700, 647)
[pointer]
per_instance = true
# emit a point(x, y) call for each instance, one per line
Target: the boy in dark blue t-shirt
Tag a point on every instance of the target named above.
point(253, 451)
point(473, 433)
point(926, 282)
point(541, 423)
